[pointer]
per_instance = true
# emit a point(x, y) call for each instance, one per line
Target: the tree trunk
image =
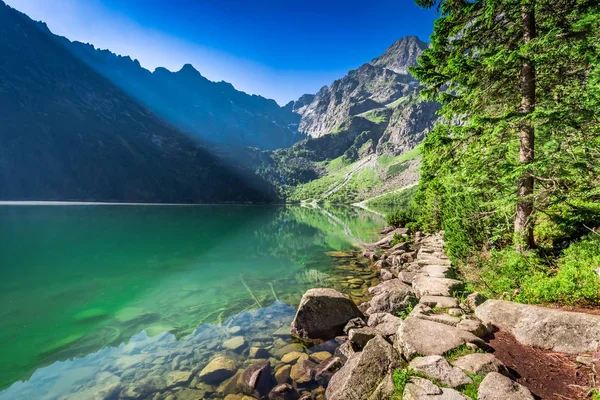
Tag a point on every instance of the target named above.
point(523, 223)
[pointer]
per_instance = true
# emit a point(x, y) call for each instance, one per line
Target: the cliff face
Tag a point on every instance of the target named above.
point(68, 133)
point(382, 86)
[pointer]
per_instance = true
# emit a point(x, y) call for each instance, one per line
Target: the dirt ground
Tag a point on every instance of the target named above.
point(548, 375)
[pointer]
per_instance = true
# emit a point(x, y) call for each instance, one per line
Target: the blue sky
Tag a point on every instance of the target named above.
point(277, 48)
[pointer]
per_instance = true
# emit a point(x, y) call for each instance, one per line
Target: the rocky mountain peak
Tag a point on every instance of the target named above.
point(401, 55)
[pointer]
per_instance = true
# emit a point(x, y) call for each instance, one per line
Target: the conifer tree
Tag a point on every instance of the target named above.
point(519, 139)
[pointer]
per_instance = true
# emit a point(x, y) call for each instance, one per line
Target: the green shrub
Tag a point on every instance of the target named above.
point(569, 279)
point(398, 239)
point(402, 217)
point(575, 280)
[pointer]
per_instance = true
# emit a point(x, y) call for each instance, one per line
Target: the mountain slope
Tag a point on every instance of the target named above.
point(362, 131)
point(212, 111)
point(67, 133)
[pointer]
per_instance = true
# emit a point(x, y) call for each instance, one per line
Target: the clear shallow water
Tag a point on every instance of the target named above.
point(83, 288)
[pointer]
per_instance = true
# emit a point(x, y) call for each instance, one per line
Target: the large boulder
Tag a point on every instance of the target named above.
point(363, 371)
point(438, 368)
point(322, 315)
point(496, 386)
point(424, 389)
point(417, 336)
point(545, 328)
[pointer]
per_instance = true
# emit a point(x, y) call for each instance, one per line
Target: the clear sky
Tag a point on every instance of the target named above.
point(280, 49)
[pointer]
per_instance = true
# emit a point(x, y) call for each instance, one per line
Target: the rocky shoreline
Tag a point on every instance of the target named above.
point(420, 336)
point(402, 330)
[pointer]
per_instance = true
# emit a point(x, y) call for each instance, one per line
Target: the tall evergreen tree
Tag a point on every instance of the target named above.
point(512, 76)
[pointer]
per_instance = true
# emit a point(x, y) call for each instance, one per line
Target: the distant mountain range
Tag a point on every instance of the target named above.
point(81, 123)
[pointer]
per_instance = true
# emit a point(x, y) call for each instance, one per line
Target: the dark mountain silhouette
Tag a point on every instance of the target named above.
point(213, 111)
point(68, 133)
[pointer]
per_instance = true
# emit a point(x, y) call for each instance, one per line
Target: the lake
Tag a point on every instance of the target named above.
point(98, 300)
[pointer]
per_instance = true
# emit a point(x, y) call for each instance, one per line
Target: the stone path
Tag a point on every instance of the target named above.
point(436, 338)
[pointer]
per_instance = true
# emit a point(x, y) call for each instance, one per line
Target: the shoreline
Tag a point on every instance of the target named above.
point(420, 325)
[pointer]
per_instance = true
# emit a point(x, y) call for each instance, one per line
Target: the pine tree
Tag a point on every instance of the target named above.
point(513, 76)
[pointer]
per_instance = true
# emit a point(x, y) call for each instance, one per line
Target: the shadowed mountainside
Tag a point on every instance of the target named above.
point(67, 133)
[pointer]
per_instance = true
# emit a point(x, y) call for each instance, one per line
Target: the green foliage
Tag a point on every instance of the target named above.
point(377, 116)
point(404, 313)
point(462, 350)
point(571, 279)
point(398, 239)
point(595, 394)
point(471, 162)
point(397, 169)
point(574, 281)
point(402, 378)
point(470, 390)
point(402, 217)
point(393, 201)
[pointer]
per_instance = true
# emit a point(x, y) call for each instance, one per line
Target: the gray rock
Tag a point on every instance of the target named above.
point(345, 351)
point(423, 389)
point(361, 336)
point(545, 328)
point(438, 368)
point(429, 286)
point(322, 315)
point(393, 285)
point(385, 274)
point(474, 300)
point(303, 372)
point(257, 378)
point(217, 370)
point(385, 390)
point(439, 301)
point(284, 391)
point(481, 364)
point(474, 326)
point(436, 271)
point(327, 368)
point(357, 379)
point(354, 323)
point(496, 386)
point(385, 323)
point(236, 343)
point(406, 276)
point(391, 297)
point(417, 336)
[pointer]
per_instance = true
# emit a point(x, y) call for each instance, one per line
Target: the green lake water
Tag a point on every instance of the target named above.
point(79, 284)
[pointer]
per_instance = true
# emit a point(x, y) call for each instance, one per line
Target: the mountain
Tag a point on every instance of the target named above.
point(211, 111)
point(361, 130)
point(68, 133)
